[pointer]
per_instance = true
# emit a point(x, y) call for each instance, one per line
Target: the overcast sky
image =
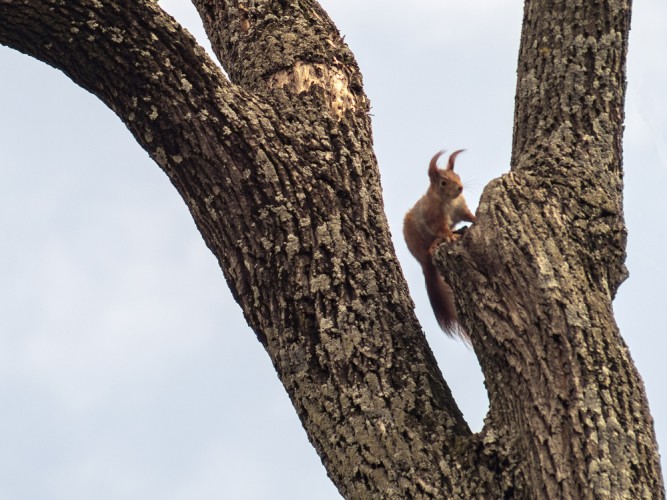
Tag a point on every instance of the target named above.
point(126, 369)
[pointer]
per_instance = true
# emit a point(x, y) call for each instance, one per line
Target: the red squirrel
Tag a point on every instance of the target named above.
point(429, 223)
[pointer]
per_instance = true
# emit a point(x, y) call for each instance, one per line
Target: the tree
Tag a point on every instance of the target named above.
point(278, 172)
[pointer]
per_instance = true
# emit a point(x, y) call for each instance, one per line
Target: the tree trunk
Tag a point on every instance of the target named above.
point(277, 168)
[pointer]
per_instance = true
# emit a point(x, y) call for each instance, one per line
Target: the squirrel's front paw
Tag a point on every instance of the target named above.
point(450, 238)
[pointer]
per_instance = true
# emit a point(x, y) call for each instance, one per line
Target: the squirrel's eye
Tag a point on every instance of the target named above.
point(443, 182)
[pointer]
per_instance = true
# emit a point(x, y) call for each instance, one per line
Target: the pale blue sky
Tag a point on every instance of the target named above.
point(126, 369)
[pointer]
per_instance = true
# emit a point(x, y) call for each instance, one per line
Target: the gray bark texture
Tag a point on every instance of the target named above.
point(275, 162)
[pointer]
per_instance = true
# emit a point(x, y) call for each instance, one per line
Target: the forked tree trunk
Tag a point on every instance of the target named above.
point(279, 174)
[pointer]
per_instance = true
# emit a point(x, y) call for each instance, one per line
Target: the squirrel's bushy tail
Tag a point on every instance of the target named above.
point(441, 297)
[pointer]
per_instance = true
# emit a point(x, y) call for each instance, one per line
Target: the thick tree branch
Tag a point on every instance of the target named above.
point(281, 181)
point(175, 101)
point(544, 263)
point(286, 45)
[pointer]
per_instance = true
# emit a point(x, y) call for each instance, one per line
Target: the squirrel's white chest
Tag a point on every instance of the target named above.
point(452, 211)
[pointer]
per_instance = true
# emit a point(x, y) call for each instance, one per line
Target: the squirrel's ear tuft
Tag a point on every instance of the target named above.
point(433, 166)
point(452, 158)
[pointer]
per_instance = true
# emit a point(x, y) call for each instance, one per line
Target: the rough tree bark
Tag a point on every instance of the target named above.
point(277, 168)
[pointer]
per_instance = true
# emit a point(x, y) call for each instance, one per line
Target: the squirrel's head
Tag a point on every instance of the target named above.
point(445, 181)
